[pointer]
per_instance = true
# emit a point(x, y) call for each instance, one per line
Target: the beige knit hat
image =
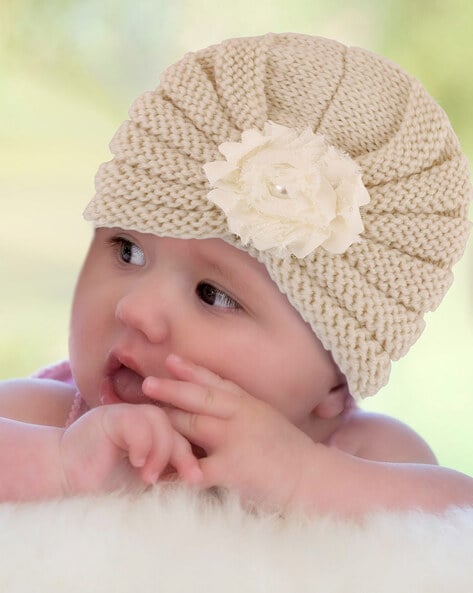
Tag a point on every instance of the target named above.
point(365, 301)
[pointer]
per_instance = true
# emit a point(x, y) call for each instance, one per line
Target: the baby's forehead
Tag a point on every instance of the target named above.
point(223, 255)
point(227, 260)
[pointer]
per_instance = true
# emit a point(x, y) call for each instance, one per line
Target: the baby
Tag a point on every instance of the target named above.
point(279, 215)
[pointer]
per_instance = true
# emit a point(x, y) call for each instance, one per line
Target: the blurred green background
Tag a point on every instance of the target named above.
point(68, 72)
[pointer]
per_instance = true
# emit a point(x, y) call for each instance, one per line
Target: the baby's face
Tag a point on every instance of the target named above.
point(140, 298)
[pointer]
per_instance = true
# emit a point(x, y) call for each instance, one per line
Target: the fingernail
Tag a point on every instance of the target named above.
point(175, 358)
point(151, 382)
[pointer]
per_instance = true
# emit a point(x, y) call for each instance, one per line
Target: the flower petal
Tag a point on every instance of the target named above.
point(288, 191)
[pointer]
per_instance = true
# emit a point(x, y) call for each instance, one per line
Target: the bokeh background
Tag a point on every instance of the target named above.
point(68, 72)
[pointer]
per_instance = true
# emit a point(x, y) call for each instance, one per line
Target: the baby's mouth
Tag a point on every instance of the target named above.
point(122, 384)
point(127, 385)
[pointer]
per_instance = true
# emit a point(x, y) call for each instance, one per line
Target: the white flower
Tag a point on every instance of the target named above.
point(288, 191)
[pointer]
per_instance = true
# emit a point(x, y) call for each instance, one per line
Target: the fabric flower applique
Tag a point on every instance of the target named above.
point(288, 191)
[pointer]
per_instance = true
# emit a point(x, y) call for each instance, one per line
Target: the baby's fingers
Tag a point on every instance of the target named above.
point(188, 371)
point(168, 447)
point(184, 461)
point(144, 434)
point(130, 431)
point(204, 431)
point(197, 399)
point(161, 445)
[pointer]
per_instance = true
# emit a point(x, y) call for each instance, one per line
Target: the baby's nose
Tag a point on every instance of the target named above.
point(144, 311)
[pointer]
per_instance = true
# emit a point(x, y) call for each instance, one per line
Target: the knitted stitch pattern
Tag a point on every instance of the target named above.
point(367, 304)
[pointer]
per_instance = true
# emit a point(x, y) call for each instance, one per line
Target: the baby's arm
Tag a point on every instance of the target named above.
point(386, 465)
point(345, 485)
point(29, 461)
point(31, 414)
point(109, 447)
point(37, 401)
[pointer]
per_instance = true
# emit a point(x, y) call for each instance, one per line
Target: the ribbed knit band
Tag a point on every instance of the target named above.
point(367, 304)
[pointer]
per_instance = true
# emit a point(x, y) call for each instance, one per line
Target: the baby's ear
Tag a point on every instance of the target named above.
point(333, 403)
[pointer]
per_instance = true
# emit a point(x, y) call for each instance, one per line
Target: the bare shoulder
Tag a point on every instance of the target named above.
point(381, 438)
point(37, 401)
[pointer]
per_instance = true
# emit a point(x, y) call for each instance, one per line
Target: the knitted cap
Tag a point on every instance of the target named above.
point(366, 304)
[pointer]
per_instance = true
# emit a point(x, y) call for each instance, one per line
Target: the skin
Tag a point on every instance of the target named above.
point(249, 334)
point(190, 341)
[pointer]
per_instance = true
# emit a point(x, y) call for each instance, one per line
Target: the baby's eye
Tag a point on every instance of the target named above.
point(213, 296)
point(128, 252)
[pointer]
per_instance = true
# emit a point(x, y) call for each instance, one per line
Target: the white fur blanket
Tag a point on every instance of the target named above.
point(169, 540)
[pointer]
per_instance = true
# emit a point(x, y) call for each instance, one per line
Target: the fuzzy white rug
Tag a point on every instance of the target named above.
point(169, 540)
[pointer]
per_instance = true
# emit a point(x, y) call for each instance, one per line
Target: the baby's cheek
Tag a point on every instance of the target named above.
point(86, 380)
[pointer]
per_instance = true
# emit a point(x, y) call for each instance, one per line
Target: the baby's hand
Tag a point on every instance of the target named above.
point(250, 446)
point(122, 446)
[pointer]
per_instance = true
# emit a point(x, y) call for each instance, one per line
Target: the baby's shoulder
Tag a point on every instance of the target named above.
point(380, 438)
point(37, 401)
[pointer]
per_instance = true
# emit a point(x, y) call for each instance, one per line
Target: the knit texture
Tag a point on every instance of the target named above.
point(367, 304)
